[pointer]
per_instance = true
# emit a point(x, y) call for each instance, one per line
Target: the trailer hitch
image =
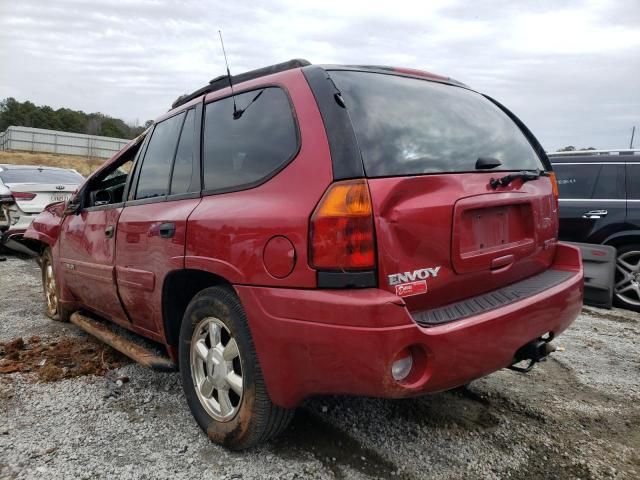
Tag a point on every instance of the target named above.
point(535, 351)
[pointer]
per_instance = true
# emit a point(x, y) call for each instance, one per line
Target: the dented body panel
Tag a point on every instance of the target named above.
point(438, 238)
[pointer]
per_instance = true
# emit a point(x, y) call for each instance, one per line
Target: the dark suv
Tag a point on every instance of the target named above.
point(326, 230)
point(600, 203)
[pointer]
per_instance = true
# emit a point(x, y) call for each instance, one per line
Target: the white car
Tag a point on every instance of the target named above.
point(24, 192)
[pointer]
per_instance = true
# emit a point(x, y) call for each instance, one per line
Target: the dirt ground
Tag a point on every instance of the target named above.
point(576, 415)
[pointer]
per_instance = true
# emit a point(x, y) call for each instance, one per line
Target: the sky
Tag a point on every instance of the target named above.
point(570, 69)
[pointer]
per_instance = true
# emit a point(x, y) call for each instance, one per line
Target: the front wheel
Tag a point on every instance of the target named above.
point(627, 286)
point(221, 375)
point(53, 310)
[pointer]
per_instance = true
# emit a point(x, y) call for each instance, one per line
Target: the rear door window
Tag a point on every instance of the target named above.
point(633, 181)
point(182, 177)
point(408, 126)
point(590, 181)
point(153, 180)
point(242, 150)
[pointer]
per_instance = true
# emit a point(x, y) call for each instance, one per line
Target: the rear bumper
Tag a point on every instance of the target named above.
point(312, 342)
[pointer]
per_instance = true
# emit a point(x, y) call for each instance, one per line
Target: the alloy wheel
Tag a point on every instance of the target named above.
point(627, 285)
point(216, 369)
point(50, 289)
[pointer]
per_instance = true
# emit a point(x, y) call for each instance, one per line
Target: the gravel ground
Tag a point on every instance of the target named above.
point(576, 415)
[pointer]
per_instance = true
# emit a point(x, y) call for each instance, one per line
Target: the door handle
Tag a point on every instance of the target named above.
point(595, 214)
point(108, 232)
point(167, 230)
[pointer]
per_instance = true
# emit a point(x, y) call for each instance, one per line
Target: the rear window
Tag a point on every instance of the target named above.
point(407, 126)
point(35, 175)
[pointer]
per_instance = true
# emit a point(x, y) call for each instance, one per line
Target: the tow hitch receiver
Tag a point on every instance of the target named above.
point(535, 351)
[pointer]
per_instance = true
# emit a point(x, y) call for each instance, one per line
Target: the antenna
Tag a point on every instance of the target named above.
point(633, 132)
point(236, 114)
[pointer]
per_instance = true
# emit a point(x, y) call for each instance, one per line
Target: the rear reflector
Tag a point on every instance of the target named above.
point(23, 195)
point(341, 230)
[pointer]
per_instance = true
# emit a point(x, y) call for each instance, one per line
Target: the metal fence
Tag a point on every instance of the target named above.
point(65, 143)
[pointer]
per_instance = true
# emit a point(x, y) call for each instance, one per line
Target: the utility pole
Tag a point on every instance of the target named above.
point(633, 132)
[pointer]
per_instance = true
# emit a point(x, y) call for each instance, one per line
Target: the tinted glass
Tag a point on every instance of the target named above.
point(156, 165)
point(610, 183)
point(183, 167)
point(406, 126)
point(34, 175)
point(576, 181)
point(239, 152)
point(633, 181)
point(590, 181)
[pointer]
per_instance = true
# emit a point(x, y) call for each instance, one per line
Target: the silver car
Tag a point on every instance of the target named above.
point(24, 192)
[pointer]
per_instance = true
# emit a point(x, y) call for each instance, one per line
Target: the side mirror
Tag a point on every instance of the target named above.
point(72, 207)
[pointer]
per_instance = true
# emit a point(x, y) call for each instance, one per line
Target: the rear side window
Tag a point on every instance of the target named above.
point(407, 126)
point(240, 152)
point(182, 177)
point(590, 181)
point(633, 181)
point(156, 165)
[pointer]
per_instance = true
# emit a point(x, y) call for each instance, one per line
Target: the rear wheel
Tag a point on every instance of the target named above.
point(627, 286)
point(221, 375)
point(51, 291)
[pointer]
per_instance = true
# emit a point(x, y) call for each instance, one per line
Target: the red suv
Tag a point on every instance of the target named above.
point(319, 230)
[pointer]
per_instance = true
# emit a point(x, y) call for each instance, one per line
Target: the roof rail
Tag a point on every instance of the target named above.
point(613, 151)
point(222, 81)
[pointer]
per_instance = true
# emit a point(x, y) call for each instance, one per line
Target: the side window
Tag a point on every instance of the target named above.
point(633, 181)
point(576, 181)
point(182, 177)
point(153, 180)
point(243, 150)
point(610, 183)
point(110, 189)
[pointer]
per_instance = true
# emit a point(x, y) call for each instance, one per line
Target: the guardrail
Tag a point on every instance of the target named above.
point(52, 141)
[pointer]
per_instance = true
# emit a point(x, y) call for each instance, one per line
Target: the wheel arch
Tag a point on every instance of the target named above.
point(623, 238)
point(179, 287)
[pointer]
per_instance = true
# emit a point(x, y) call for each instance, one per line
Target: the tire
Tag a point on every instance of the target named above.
point(53, 309)
point(627, 281)
point(223, 383)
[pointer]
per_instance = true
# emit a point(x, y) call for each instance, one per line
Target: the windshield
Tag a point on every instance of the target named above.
point(37, 175)
point(407, 126)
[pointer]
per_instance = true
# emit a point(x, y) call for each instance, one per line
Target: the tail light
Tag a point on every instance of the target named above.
point(554, 187)
point(23, 195)
point(341, 233)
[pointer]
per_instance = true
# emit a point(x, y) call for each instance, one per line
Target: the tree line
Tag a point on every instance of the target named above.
point(27, 114)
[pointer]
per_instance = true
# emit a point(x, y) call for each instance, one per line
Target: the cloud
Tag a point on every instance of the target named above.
point(568, 70)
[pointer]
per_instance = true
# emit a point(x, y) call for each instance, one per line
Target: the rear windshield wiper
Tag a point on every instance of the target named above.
point(525, 176)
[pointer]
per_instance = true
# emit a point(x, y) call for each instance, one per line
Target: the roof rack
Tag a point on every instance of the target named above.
point(222, 81)
point(614, 151)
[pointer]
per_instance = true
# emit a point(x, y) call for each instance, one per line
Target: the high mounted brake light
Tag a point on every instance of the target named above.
point(341, 230)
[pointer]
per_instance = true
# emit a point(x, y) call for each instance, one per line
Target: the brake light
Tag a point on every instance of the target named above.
point(23, 195)
point(554, 187)
point(341, 230)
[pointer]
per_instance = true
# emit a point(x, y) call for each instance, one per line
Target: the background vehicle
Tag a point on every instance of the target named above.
point(304, 237)
point(24, 192)
point(600, 204)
